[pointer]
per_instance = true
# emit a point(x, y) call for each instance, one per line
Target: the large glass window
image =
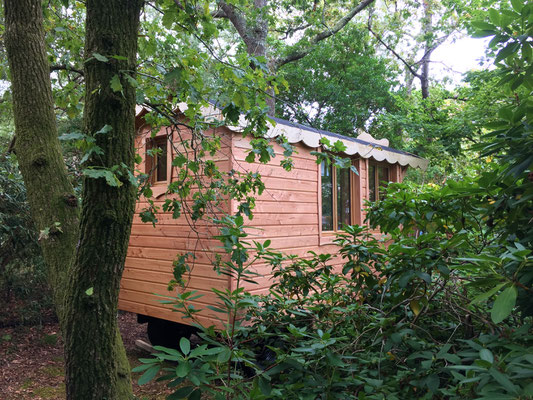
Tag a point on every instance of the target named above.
point(327, 197)
point(336, 198)
point(343, 197)
point(378, 178)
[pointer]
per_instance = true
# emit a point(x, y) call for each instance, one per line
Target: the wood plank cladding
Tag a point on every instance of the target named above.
point(288, 213)
point(153, 249)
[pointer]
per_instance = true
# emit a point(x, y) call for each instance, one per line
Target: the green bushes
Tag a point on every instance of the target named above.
point(442, 312)
point(22, 271)
point(429, 316)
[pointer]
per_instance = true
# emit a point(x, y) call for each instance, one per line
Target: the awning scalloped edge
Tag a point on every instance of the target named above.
point(371, 150)
point(365, 147)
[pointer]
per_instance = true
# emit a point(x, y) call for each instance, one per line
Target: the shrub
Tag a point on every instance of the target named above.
point(22, 270)
point(430, 315)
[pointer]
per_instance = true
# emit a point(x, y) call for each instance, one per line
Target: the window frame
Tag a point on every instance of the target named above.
point(378, 165)
point(355, 201)
point(152, 160)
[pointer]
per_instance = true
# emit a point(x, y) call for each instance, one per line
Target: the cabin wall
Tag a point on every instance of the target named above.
point(152, 249)
point(288, 213)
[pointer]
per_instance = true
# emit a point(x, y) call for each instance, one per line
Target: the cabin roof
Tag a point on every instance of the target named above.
point(358, 139)
point(363, 145)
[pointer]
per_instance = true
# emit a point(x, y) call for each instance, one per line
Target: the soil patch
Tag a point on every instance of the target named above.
point(32, 361)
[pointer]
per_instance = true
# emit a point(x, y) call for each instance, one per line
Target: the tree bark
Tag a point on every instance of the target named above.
point(427, 30)
point(93, 361)
point(37, 147)
point(88, 252)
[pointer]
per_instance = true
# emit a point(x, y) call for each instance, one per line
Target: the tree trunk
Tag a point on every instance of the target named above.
point(89, 253)
point(51, 196)
point(256, 44)
point(409, 81)
point(427, 30)
point(93, 356)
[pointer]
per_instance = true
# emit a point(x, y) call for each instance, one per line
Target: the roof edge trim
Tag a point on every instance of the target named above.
point(297, 133)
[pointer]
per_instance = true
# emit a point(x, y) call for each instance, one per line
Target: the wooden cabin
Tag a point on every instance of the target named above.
point(299, 211)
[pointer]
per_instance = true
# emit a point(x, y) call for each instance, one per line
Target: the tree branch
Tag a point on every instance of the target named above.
point(298, 54)
point(64, 67)
point(432, 48)
point(398, 56)
point(291, 30)
point(237, 19)
point(218, 13)
point(11, 147)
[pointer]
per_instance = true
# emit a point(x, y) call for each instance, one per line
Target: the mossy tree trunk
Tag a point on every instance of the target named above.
point(51, 196)
point(88, 250)
point(107, 211)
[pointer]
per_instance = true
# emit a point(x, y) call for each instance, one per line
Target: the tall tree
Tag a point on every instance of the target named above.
point(84, 252)
point(342, 81)
point(254, 21)
point(412, 30)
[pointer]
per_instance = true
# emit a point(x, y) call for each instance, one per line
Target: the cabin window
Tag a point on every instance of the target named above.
point(336, 198)
point(157, 161)
point(378, 178)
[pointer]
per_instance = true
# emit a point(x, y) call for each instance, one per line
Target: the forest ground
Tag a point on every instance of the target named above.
point(32, 361)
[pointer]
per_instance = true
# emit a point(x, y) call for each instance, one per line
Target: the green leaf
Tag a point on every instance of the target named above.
point(516, 83)
point(109, 176)
point(72, 136)
point(506, 113)
point(503, 380)
point(179, 160)
point(148, 375)
point(183, 369)
point(131, 80)
point(504, 304)
point(250, 157)
point(264, 386)
point(196, 395)
point(518, 5)
point(142, 367)
point(507, 51)
point(167, 350)
point(433, 383)
point(116, 86)
point(181, 393)
point(486, 295)
point(334, 359)
point(217, 309)
point(90, 291)
point(105, 129)
point(526, 51)
point(224, 355)
point(483, 26)
point(486, 355)
point(494, 16)
point(100, 57)
point(185, 345)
